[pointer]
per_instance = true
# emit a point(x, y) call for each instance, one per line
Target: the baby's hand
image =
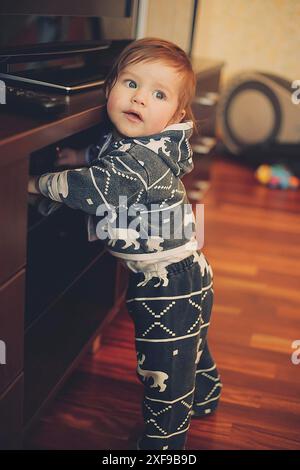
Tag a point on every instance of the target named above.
point(33, 187)
point(70, 157)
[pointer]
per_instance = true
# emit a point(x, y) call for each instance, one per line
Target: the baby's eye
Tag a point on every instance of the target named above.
point(160, 95)
point(128, 81)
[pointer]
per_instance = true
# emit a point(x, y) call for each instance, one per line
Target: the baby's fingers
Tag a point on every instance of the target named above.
point(59, 162)
point(61, 157)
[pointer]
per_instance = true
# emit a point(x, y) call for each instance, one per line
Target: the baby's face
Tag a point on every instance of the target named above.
point(149, 89)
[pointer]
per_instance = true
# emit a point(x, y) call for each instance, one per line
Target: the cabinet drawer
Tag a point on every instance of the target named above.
point(205, 117)
point(54, 343)
point(58, 251)
point(209, 81)
point(11, 328)
point(11, 416)
point(13, 216)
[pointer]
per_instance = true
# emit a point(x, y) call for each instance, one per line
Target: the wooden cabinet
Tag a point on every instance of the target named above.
point(208, 73)
point(11, 415)
point(12, 327)
point(13, 215)
point(57, 290)
point(56, 341)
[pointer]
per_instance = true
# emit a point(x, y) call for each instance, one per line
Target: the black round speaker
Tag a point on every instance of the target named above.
point(249, 114)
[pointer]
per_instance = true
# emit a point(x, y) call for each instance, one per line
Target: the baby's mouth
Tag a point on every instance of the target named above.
point(133, 116)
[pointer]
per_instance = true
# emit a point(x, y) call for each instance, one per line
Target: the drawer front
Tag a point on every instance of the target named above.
point(11, 328)
point(58, 251)
point(13, 216)
point(56, 340)
point(11, 416)
point(206, 118)
point(208, 82)
point(204, 106)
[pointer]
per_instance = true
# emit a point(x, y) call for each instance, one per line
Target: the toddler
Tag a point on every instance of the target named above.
point(134, 174)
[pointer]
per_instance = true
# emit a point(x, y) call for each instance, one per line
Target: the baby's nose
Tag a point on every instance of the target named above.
point(139, 98)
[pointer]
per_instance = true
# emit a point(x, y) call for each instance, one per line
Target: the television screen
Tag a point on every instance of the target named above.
point(32, 27)
point(30, 34)
point(62, 44)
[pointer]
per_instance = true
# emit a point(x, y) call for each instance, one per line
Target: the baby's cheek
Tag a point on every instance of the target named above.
point(110, 104)
point(114, 103)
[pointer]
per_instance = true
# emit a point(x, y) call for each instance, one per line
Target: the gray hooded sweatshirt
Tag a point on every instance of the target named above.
point(133, 193)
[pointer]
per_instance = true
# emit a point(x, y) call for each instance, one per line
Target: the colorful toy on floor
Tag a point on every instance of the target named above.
point(277, 176)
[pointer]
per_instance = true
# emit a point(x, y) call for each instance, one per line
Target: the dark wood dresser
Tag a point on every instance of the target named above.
point(57, 289)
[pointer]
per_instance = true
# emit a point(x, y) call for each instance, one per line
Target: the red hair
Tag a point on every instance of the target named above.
point(153, 50)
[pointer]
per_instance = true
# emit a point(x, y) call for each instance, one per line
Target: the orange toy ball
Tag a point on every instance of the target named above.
point(294, 182)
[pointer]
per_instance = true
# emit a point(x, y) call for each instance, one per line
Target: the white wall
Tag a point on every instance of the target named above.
point(250, 34)
point(167, 19)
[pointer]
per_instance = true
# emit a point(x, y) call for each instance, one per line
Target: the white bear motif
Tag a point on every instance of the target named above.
point(153, 243)
point(128, 235)
point(156, 145)
point(158, 377)
point(161, 273)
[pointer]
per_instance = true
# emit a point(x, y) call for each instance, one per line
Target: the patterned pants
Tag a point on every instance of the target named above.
point(175, 366)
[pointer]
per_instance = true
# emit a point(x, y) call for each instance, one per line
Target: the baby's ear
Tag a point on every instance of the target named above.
point(180, 115)
point(183, 113)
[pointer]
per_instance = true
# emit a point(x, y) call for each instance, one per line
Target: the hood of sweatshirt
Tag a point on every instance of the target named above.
point(171, 145)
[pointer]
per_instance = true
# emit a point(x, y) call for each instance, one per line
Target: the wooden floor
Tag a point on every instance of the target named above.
point(252, 241)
